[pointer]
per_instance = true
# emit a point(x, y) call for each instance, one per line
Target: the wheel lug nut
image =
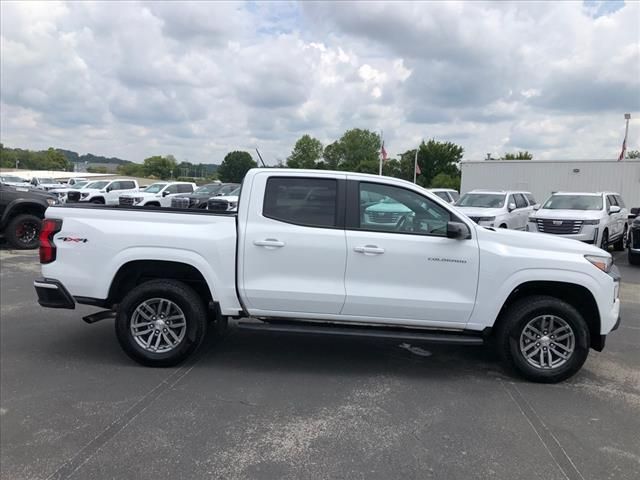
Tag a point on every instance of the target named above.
point(537, 344)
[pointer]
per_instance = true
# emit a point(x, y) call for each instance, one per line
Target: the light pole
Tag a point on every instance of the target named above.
point(627, 117)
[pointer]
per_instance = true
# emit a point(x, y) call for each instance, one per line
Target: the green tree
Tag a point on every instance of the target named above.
point(331, 156)
point(444, 180)
point(97, 169)
point(306, 153)
point(132, 170)
point(235, 166)
point(160, 167)
point(433, 158)
point(357, 151)
point(633, 154)
point(518, 156)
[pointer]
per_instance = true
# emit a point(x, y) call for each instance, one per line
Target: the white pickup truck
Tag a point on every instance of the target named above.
point(299, 256)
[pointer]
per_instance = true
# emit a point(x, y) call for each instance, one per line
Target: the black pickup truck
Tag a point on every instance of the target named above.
point(21, 213)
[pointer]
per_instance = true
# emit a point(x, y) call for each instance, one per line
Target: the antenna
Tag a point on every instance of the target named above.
point(260, 157)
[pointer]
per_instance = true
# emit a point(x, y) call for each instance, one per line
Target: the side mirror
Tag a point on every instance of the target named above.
point(457, 230)
point(634, 212)
point(536, 207)
point(165, 193)
point(109, 188)
point(511, 207)
point(614, 209)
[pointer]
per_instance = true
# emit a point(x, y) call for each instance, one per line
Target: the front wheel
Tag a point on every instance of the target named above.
point(634, 257)
point(161, 322)
point(618, 246)
point(544, 339)
point(23, 230)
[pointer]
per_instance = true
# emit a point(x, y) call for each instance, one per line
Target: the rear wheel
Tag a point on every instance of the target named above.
point(544, 339)
point(618, 246)
point(604, 243)
point(161, 322)
point(634, 257)
point(98, 201)
point(23, 230)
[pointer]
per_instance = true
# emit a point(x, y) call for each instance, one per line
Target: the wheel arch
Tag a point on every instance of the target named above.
point(578, 296)
point(21, 207)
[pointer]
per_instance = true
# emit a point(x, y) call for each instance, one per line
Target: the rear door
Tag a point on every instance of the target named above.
point(293, 246)
point(522, 210)
point(402, 267)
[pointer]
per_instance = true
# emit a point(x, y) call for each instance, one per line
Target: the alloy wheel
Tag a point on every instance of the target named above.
point(158, 325)
point(547, 342)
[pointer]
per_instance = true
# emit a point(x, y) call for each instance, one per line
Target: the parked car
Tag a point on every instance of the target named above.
point(297, 258)
point(14, 181)
point(45, 183)
point(75, 180)
point(157, 194)
point(106, 192)
point(449, 195)
point(224, 203)
point(199, 198)
point(596, 218)
point(21, 213)
point(502, 209)
point(633, 243)
point(62, 192)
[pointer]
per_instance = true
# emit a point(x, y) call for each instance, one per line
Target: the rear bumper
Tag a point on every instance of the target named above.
point(52, 294)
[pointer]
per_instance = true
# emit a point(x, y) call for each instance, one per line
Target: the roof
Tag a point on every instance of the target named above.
point(594, 194)
point(498, 192)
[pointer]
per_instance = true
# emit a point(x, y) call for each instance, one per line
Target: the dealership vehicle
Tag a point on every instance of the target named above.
point(503, 209)
point(45, 183)
point(596, 218)
point(449, 195)
point(75, 180)
point(199, 198)
point(105, 192)
point(14, 181)
point(62, 192)
point(157, 194)
point(633, 243)
point(297, 258)
point(21, 213)
point(225, 203)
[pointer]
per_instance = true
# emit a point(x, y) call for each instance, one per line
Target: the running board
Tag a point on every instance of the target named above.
point(96, 317)
point(431, 336)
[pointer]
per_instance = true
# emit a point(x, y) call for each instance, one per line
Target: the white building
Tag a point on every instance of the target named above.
point(542, 177)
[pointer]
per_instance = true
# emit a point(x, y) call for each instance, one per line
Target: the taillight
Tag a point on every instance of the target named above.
point(50, 227)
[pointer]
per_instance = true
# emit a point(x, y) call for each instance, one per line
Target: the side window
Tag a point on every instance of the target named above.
point(511, 200)
point(532, 200)
point(303, 201)
point(443, 196)
point(114, 186)
point(608, 201)
point(185, 188)
point(611, 200)
point(171, 189)
point(128, 185)
point(399, 210)
point(520, 201)
point(455, 196)
point(620, 201)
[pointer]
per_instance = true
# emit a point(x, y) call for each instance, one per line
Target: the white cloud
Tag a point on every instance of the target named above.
point(199, 79)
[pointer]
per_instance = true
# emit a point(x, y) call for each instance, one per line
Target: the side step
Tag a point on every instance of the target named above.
point(96, 317)
point(429, 336)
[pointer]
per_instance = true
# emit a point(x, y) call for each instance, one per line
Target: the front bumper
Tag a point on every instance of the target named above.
point(52, 294)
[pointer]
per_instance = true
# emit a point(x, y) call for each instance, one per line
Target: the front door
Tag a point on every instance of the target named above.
point(294, 252)
point(400, 263)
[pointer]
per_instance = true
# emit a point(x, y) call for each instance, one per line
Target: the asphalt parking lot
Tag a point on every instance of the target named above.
point(256, 405)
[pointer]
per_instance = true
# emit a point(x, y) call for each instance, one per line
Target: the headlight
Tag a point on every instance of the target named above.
point(591, 222)
point(84, 195)
point(52, 202)
point(603, 263)
point(531, 218)
point(486, 219)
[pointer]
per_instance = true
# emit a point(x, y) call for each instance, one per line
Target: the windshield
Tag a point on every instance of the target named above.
point(155, 187)
point(47, 180)
point(98, 185)
point(482, 200)
point(211, 188)
point(12, 179)
point(80, 184)
point(235, 193)
point(574, 202)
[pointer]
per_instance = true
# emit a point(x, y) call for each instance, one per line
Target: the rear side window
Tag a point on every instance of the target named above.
point(619, 200)
point(128, 185)
point(455, 196)
point(185, 188)
point(520, 201)
point(303, 201)
point(532, 200)
point(443, 196)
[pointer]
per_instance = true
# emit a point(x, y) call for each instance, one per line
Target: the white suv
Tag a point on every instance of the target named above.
point(157, 194)
point(502, 209)
point(597, 218)
point(104, 192)
point(449, 195)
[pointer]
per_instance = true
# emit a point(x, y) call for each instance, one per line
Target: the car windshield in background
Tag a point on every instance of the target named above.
point(80, 184)
point(97, 185)
point(211, 188)
point(47, 180)
point(235, 193)
point(482, 200)
point(12, 179)
point(155, 187)
point(574, 202)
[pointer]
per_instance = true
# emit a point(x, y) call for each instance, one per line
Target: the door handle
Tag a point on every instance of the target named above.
point(369, 250)
point(269, 242)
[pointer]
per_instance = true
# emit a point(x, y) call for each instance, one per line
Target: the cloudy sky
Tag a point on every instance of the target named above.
point(197, 80)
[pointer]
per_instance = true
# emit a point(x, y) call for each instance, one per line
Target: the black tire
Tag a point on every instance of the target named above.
point(518, 316)
point(634, 258)
point(23, 230)
point(98, 201)
point(504, 225)
point(190, 304)
point(604, 242)
point(618, 246)
point(153, 204)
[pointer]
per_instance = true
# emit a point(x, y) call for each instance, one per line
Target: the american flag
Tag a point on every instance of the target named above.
point(624, 149)
point(383, 153)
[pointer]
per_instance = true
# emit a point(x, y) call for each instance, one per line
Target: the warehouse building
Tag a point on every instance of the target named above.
point(542, 177)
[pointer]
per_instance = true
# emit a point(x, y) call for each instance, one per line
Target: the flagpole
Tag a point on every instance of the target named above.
point(415, 166)
point(627, 116)
point(380, 154)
